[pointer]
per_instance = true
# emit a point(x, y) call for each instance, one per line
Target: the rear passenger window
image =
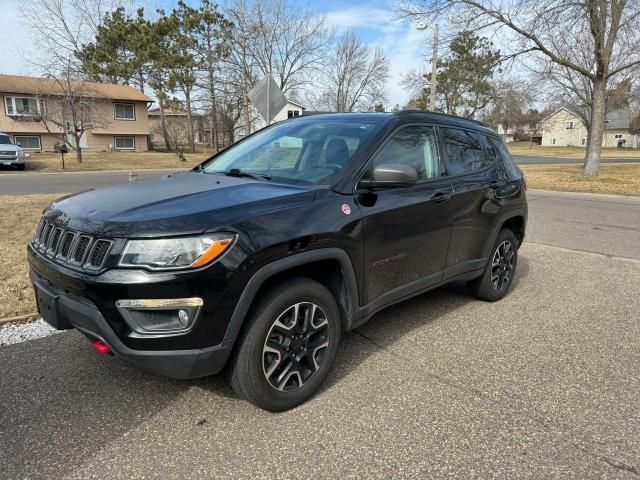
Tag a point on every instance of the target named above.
point(501, 153)
point(414, 146)
point(463, 151)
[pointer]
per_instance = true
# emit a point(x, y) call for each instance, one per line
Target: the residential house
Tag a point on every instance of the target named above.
point(177, 124)
point(34, 114)
point(290, 110)
point(565, 128)
point(520, 131)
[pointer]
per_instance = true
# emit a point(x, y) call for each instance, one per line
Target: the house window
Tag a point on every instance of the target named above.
point(568, 125)
point(619, 135)
point(553, 141)
point(125, 143)
point(583, 141)
point(28, 142)
point(124, 111)
point(293, 113)
point(23, 106)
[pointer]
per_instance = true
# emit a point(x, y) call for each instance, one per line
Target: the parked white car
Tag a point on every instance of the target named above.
point(11, 153)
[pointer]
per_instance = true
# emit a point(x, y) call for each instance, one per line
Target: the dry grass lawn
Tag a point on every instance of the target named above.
point(620, 178)
point(523, 148)
point(19, 216)
point(50, 162)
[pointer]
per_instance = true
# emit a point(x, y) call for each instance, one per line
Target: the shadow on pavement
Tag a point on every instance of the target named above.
point(60, 403)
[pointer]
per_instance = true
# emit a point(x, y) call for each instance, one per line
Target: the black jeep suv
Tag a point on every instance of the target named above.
point(261, 256)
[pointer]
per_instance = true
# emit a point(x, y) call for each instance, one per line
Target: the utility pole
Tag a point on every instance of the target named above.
point(434, 65)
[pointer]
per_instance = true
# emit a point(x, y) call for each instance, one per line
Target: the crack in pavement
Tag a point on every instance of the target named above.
point(467, 389)
point(586, 252)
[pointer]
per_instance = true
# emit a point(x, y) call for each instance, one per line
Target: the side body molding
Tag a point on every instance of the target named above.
point(286, 263)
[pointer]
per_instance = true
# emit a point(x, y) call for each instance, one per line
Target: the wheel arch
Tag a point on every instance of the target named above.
point(516, 220)
point(330, 266)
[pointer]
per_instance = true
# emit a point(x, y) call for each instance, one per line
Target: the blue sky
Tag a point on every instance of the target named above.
point(372, 20)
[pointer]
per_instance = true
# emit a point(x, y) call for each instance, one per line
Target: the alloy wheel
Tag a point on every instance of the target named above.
point(502, 265)
point(296, 346)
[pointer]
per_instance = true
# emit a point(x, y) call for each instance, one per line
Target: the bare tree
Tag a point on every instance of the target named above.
point(594, 39)
point(70, 108)
point(291, 44)
point(60, 28)
point(355, 77)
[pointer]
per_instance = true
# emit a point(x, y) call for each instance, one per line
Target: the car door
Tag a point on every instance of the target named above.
point(472, 178)
point(406, 229)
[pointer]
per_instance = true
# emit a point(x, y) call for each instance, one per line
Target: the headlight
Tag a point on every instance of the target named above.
point(21, 154)
point(173, 253)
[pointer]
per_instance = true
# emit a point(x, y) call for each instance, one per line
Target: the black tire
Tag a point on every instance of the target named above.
point(20, 166)
point(259, 373)
point(496, 279)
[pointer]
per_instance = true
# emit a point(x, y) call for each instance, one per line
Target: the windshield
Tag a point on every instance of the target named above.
point(308, 152)
point(5, 140)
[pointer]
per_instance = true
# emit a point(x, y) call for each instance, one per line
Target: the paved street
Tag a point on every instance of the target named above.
point(531, 160)
point(543, 384)
point(13, 182)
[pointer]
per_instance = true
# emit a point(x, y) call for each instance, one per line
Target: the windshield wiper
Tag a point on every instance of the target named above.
point(236, 172)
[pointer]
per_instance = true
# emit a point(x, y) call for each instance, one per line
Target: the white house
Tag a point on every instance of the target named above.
point(290, 110)
point(565, 128)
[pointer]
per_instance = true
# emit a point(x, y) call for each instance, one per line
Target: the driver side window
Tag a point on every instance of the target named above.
point(414, 146)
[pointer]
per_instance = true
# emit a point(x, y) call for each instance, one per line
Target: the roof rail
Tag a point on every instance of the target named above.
point(440, 114)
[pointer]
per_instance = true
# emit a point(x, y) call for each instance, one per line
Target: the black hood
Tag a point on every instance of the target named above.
point(175, 204)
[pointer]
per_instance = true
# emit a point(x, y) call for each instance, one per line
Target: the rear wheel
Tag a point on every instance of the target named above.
point(501, 268)
point(289, 347)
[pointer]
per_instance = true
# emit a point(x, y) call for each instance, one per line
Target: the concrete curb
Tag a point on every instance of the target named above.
point(20, 319)
point(584, 195)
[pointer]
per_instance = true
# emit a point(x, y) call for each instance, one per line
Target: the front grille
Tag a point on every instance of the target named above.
point(9, 154)
point(69, 247)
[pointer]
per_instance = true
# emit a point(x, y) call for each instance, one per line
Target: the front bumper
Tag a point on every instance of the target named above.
point(11, 161)
point(71, 311)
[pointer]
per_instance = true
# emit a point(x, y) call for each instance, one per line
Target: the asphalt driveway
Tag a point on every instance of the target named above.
point(543, 384)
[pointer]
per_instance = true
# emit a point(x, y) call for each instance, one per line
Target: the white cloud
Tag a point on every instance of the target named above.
point(403, 43)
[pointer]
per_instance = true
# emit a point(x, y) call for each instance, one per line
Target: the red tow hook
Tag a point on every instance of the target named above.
point(101, 347)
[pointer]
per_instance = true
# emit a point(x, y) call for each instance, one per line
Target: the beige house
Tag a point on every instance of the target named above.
point(565, 128)
point(34, 115)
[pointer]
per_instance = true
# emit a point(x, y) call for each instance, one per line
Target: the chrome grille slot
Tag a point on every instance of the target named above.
point(67, 242)
point(55, 240)
point(46, 234)
point(36, 235)
point(99, 253)
point(81, 248)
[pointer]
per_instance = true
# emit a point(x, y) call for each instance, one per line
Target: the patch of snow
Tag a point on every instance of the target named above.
point(21, 332)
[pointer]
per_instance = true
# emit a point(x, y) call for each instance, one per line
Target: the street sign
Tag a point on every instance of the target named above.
point(267, 98)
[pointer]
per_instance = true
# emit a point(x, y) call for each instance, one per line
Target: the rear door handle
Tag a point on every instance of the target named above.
point(440, 197)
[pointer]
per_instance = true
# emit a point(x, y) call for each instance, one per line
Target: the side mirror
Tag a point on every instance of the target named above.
point(391, 175)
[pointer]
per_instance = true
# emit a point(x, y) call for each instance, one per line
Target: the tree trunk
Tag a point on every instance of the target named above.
point(163, 124)
point(78, 150)
point(213, 120)
point(187, 99)
point(245, 111)
point(594, 139)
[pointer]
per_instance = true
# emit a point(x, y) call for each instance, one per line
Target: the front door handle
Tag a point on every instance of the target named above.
point(440, 197)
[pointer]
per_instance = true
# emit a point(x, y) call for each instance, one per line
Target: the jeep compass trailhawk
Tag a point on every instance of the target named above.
point(259, 258)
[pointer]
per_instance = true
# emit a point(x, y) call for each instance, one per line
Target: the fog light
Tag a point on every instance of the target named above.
point(160, 316)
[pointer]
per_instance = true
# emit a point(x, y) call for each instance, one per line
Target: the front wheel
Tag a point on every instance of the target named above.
point(289, 346)
point(501, 268)
point(21, 166)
